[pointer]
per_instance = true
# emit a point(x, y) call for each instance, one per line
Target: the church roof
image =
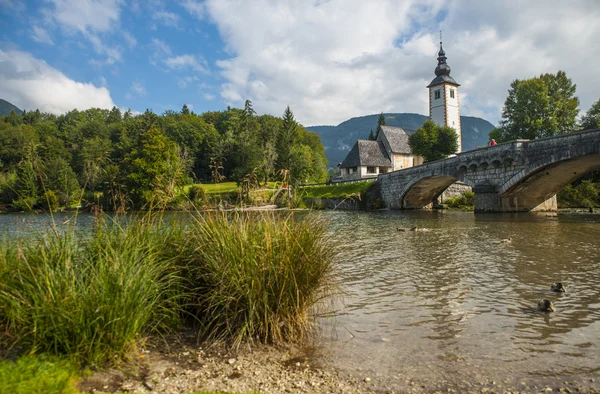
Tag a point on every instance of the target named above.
point(441, 79)
point(397, 138)
point(367, 153)
point(442, 71)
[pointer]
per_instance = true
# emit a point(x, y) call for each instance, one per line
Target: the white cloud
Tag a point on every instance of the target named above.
point(129, 39)
point(341, 58)
point(41, 35)
point(208, 96)
point(136, 90)
point(184, 82)
point(184, 62)
point(86, 15)
point(91, 18)
point(31, 83)
point(166, 18)
point(196, 8)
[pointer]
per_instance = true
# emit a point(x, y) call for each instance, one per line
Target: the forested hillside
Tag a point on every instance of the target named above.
point(338, 140)
point(6, 107)
point(121, 160)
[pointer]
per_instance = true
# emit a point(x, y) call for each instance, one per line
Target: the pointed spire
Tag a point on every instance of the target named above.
point(442, 71)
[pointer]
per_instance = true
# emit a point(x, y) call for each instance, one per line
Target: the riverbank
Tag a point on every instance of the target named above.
point(185, 367)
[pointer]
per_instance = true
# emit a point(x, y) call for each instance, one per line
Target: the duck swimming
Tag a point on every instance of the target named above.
point(545, 306)
point(558, 287)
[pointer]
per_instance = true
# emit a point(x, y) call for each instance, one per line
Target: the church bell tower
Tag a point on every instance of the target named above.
point(444, 108)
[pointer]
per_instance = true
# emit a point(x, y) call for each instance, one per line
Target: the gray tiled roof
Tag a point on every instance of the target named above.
point(397, 138)
point(441, 79)
point(367, 153)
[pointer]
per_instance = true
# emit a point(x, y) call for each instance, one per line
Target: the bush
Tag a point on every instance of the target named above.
point(585, 195)
point(256, 277)
point(197, 195)
point(50, 201)
point(94, 296)
point(90, 299)
point(24, 204)
point(466, 201)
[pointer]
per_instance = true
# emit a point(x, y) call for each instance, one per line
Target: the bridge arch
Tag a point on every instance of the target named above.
point(420, 192)
point(540, 181)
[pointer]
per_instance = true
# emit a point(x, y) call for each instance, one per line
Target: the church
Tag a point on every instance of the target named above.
point(390, 151)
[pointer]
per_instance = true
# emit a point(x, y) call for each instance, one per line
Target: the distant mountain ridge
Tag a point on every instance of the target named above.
point(6, 107)
point(338, 140)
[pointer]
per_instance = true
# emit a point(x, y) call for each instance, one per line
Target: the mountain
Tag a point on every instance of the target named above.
point(338, 140)
point(6, 107)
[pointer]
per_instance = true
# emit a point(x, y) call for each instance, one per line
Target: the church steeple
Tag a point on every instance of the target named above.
point(442, 68)
point(444, 107)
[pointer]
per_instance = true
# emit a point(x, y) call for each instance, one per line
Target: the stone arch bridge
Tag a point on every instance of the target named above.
point(515, 176)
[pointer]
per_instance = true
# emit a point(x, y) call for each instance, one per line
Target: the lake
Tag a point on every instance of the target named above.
point(452, 305)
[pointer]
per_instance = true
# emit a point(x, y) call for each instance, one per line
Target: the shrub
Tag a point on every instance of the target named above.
point(197, 195)
point(585, 195)
point(465, 201)
point(50, 201)
point(256, 277)
point(90, 299)
point(24, 204)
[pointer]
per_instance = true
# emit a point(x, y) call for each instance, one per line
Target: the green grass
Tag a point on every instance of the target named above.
point(34, 374)
point(93, 297)
point(336, 190)
point(227, 187)
point(257, 276)
point(90, 298)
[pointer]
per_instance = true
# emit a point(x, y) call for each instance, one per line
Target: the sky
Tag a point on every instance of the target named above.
point(329, 60)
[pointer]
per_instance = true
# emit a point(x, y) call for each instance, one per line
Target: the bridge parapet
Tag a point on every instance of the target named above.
point(513, 176)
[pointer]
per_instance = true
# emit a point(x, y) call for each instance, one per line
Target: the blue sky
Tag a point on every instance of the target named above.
point(329, 60)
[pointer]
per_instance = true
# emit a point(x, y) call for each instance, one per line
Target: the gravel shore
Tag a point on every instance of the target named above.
point(186, 367)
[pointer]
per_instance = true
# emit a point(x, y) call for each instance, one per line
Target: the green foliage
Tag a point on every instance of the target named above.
point(144, 160)
point(465, 201)
point(197, 194)
point(90, 300)
point(538, 107)
point(591, 120)
point(372, 136)
point(93, 297)
point(256, 277)
point(340, 190)
point(38, 374)
point(61, 179)
point(583, 194)
point(50, 201)
point(433, 142)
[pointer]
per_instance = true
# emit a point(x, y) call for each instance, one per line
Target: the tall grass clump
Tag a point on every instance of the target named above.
point(89, 297)
point(256, 277)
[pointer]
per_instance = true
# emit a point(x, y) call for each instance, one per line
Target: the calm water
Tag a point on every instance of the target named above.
point(453, 303)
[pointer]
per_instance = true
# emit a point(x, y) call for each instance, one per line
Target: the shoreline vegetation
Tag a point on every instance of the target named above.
point(70, 302)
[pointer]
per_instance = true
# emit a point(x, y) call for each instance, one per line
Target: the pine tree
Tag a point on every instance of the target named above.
point(372, 136)
point(288, 137)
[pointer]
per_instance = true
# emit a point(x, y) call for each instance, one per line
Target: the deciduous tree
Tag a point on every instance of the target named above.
point(433, 142)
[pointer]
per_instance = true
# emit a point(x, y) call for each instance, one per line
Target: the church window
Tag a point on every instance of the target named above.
point(437, 94)
point(451, 93)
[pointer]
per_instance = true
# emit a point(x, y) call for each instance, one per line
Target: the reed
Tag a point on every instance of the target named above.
point(95, 296)
point(89, 297)
point(256, 276)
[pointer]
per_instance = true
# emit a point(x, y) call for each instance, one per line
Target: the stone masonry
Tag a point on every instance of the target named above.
point(515, 176)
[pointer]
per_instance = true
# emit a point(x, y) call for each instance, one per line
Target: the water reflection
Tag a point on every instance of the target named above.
point(454, 299)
